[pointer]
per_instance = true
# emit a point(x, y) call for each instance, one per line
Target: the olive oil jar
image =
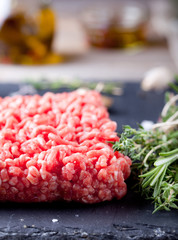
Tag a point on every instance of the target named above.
point(27, 32)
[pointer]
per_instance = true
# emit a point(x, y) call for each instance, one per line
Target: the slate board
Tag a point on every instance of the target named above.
point(129, 218)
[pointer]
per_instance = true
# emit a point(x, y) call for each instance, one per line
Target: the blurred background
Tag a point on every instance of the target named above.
point(87, 39)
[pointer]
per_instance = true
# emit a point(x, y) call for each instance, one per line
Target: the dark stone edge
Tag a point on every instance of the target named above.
point(137, 232)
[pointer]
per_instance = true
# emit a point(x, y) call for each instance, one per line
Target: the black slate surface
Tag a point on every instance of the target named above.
point(129, 218)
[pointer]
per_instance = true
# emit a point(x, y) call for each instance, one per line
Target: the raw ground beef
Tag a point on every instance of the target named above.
point(56, 147)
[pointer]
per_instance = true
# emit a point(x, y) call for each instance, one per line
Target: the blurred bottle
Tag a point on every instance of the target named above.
point(46, 24)
point(27, 38)
point(120, 26)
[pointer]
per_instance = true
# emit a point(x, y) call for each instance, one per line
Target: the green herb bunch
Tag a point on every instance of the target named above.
point(155, 156)
point(114, 88)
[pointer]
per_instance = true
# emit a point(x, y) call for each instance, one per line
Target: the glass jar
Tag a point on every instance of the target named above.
point(120, 26)
point(26, 32)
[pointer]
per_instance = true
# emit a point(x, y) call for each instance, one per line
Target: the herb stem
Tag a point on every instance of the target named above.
point(170, 195)
point(174, 116)
point(140, 153)
point(168, 105)
point(153, 150)
point(165, 124)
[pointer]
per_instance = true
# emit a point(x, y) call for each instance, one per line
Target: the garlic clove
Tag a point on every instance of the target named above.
point(157, 79)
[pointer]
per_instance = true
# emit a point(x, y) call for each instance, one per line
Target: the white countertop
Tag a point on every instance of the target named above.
point(95, 65)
